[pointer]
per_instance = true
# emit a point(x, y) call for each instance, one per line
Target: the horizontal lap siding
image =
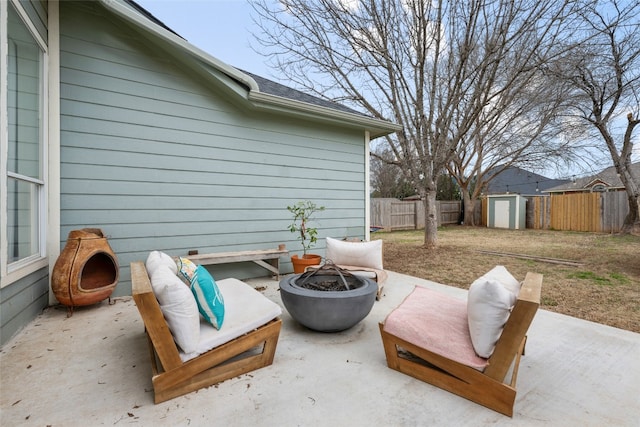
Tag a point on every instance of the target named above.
point(22, 301)
point(160, 159)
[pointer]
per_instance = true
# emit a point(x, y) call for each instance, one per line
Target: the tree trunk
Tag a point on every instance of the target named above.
point(430, 219)
point(631, 223)
point(624, 168)
point(469, 208)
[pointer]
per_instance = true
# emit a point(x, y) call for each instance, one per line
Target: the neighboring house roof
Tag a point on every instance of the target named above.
point(242, 87)
point(605, 180)
point(513, 179)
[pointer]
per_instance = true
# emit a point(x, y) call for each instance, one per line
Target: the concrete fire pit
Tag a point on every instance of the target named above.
point(305, 298)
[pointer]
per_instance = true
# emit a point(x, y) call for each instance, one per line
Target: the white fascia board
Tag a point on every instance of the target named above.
point(376, 127)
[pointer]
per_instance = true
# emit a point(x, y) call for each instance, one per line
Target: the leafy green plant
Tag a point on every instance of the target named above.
point(302, 214)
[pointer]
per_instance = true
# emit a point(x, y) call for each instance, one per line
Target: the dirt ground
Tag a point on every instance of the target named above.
point(591, 276)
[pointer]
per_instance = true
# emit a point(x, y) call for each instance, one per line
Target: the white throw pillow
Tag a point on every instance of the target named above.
point(157, 259)
point(360, 254)
point(488, 308)
point(502, 275)
point(176, 301)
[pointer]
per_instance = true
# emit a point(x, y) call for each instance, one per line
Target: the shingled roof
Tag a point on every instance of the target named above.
point(515, 180)
point(277, 89)
point(607, 177)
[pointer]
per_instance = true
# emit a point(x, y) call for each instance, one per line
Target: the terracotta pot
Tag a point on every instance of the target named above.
point(86, 272)
point(299, 264)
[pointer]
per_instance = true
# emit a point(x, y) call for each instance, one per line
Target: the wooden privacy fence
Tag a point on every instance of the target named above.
point(576, 212)
point(615, 207)
point(538, 214)
point(449, 211)
point(406, 215)
point(598, 212)
point(394, 214)
point(593, 212)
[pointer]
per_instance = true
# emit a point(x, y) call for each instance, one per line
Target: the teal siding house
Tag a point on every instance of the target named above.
point(110, 120)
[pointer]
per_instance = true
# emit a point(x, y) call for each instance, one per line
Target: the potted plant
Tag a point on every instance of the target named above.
point(302, 213)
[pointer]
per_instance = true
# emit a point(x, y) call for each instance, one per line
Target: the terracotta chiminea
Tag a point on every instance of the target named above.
point(86, 271)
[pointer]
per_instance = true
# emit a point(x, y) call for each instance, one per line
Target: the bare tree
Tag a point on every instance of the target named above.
point(387, 179)
point(519, 129)
point(432, 66)
point(603, 71)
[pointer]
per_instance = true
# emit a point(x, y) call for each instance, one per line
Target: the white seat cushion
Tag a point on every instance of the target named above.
point(245, 310)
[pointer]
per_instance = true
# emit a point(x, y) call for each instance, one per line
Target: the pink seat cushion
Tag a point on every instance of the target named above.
point(435, 322)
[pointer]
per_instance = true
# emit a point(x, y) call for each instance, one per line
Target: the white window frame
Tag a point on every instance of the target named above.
point(11, 272)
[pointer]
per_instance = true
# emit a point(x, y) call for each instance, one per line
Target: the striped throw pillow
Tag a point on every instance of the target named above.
point(208, 297)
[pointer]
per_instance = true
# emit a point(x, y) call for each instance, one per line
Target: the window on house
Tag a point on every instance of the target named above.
point(25, 142)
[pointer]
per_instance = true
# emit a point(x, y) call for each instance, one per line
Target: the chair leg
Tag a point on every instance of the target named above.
point(390, 350)
point(516, 364)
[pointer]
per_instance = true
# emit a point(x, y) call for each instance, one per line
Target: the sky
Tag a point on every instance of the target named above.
point(222, 28)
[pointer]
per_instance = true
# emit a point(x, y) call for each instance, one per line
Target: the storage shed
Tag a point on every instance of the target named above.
point(506, 211)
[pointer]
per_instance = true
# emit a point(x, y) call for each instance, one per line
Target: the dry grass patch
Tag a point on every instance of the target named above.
point(604, 289)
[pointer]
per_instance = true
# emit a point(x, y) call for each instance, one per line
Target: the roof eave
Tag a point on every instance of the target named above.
point(274, 103)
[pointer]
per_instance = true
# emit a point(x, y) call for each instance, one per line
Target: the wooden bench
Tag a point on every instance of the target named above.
point(485, 386)
point(171, 376)
point(265, 258)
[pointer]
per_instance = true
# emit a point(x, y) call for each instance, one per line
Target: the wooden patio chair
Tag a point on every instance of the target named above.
point(173, 376)
point(464, 373)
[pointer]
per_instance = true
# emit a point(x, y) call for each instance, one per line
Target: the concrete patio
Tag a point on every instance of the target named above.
point(93, 369)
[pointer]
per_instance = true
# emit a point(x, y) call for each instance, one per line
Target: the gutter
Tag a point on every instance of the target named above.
point(273, 102)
